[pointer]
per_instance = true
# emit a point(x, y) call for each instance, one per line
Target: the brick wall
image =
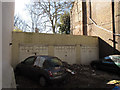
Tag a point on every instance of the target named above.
point(76, 18)
point(101, 15)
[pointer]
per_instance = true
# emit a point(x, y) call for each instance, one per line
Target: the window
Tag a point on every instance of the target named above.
point(55, 62)
point(52, 62)
point(39, 61)
point(116, 59)
point(30, 60)
point(107, 60)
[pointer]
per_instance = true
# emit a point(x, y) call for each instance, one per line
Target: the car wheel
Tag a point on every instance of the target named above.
point(42, 81)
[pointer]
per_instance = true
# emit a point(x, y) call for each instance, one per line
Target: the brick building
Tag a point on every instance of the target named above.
point(95, 18)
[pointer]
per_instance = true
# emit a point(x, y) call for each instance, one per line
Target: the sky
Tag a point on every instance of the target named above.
point(20, 11)
point(19, 8)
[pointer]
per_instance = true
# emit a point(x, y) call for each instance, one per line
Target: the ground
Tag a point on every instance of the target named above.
point(84, 77)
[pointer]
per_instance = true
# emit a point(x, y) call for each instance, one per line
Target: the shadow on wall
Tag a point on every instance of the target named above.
point(105, 49)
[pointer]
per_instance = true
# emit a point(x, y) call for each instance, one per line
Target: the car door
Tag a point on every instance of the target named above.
point(108, 64)
point(38, 67)
point(28, 66)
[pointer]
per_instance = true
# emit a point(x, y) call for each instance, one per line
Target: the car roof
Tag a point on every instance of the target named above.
point(115, 55)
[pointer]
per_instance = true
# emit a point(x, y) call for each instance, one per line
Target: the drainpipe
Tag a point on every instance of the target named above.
point(84, 17)
point(113, 24)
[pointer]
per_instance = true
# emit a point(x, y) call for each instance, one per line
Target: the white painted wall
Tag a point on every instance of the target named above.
point(27, 50)
point(8, 80)
point(66, 53)
point(88, 54)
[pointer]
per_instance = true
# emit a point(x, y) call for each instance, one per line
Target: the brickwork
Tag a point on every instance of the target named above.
point(101, 15)
point(76, 18)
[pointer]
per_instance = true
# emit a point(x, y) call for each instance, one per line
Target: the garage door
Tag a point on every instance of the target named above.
point(66, 53)
point(29, 50)
point(88, 54)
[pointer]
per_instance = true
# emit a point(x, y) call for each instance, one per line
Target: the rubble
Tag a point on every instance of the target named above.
point(82, 76)
point(93, 74)
point(77, 67)
point(72, 72)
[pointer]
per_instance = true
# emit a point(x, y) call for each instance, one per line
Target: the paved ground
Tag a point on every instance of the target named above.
point(84, 77)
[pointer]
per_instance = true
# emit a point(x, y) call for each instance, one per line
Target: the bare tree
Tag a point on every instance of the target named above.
point(21, 24)
point(53, 11)
point(46, 13)
point(36, 16)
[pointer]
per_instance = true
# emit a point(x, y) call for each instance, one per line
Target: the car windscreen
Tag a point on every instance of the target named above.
point(116, 59)
point(55, 62)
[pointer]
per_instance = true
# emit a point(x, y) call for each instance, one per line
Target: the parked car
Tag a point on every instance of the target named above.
point(46, 69)
point(108, 63)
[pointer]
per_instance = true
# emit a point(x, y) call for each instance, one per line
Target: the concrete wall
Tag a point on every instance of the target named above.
point(8, 80)
point(101, 14)
point(52, 41)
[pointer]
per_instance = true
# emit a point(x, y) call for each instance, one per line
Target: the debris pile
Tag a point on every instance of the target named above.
point(72, 72)
point(78, 68)
point(80, 76)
